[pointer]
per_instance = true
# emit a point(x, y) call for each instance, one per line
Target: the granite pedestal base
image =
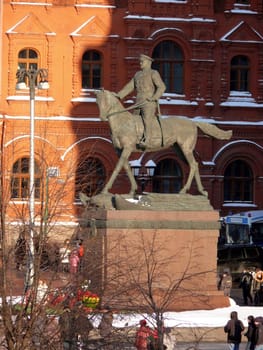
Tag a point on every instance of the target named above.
point(169, 258)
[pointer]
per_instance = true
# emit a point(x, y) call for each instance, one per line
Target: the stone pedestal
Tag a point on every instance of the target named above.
point(166, 257)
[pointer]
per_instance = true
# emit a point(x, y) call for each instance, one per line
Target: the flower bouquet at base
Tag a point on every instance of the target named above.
point(90, 300)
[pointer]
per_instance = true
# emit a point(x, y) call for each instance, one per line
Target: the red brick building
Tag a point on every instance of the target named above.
point(210, 55)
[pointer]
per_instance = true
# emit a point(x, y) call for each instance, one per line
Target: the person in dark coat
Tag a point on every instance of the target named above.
point(251, 333)
point(234, 329)
point(67, 329)
point(82, 325)
point(246, 285)
point(105, 326)
point(259, 333)
point(20, 251)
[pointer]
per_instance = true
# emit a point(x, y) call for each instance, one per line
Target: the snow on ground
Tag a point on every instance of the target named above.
point(199, 318)
point(192, 319)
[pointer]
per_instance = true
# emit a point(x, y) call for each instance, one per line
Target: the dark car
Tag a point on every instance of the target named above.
point(236, 259)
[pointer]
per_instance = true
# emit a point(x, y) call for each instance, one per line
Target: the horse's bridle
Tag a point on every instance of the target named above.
point(136, 105)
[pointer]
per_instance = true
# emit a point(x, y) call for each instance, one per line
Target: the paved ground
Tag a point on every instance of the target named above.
point(206, 346)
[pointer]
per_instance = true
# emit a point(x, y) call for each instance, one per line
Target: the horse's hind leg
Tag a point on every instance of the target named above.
point(199, 183)
point(134, 185)
point(192, 166)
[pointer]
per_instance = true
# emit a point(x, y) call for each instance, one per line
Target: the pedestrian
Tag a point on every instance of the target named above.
point(143, 335)
point(82, 325)
point(39, 334)
point(74, 261)
point(167, 341)
point(42, 292)
point(225, 283)
point(257, 286)
point(149, 88)
point(67, 328)
point(234, 329)
point(20, 251)
point(81, 254)
point(105, 326)
point(251, 333)
point(259, 333)
point(246, 285)
point(64, 253)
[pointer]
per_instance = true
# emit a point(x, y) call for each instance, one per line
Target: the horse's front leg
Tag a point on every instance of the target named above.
point(133, 182)
point(121, 163)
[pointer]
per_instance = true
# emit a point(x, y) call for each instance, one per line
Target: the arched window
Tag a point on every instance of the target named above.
point(28, 59)
point(169, 61)
point(167, 177)
point(238, 182)
point(20, 185)
point(239, 74)
point(91, 70)
point(90, 177)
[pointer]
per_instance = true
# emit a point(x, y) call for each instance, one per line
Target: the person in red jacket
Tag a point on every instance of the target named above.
point(143, 336)
point(81, 254)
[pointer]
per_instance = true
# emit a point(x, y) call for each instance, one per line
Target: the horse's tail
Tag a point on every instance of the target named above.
point(214, 131)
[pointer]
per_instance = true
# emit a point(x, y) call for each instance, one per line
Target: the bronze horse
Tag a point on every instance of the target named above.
point(127, 130)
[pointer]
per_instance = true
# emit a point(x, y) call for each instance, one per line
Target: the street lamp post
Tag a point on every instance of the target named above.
point(143, 177)
point(32, 76)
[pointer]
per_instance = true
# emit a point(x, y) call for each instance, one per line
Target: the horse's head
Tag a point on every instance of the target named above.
point(106, 101)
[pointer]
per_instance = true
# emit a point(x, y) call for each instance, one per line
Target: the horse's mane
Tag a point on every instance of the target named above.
point(115, 101)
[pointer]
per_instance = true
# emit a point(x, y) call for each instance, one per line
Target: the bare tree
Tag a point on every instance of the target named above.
point(31, 321)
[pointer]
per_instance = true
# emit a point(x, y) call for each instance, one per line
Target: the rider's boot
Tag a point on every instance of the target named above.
point(142, 145)
point(145, 141)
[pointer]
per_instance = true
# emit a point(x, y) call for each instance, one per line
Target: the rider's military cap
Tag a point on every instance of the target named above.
point(142, 56)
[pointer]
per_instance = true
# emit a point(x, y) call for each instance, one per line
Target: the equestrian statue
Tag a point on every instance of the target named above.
point(145, 130)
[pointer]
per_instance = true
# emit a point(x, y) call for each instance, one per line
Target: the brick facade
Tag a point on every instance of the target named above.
point(67, 125)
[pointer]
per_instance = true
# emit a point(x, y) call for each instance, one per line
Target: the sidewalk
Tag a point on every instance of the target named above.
point(206, 346)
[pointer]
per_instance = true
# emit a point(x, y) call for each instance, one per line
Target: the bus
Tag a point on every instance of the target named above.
point(242, 228)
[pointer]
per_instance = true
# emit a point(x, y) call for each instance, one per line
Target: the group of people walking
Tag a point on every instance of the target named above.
point(71, 259)
point(252, 286)
point(251, 283)
point(254, 333)
point(77, 330)
point(68, 258)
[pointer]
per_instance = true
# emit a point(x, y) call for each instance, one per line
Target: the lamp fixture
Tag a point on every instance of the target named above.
point(143, 174)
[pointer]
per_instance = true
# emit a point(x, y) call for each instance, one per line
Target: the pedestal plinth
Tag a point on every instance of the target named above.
point(163, 257)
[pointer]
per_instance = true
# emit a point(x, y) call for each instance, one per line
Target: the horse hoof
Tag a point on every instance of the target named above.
point(104, 192)
point(204, 193)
